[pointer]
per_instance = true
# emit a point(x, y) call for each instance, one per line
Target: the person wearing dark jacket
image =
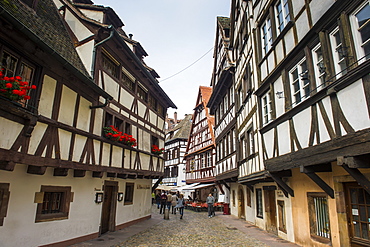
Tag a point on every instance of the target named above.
point(163, 203)
point(210, 201)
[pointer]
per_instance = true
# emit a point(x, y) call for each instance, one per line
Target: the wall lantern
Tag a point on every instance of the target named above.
point(98, 197)
point(120, 196)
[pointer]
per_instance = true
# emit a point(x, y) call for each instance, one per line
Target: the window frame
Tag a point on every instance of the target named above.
point(285, 15)
point(65, 203)
point(281, 216)
point(312, 210)
point(266, 103)
point(319, 66)
point(259, 203)
point(129, 193)
point(338, 58)
point(301, 82)
point(357, 35)
point(266, 36)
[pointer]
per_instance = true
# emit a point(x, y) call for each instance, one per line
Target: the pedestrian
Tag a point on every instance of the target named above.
point(153, 197)
point(169, 201)
point(173, 203)
point(210, 201)
point(180, 205)
point(158, 199)
point(163, 203)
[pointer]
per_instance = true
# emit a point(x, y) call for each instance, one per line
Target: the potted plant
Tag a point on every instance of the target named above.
point(13, 88)
point(156, 150)
point(112, 133)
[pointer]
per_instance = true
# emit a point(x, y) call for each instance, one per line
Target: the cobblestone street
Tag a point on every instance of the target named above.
point(195, 229)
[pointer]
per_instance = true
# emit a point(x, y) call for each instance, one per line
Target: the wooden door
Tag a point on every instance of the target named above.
point(358, 214)
point(109, 207)
point(270, 209)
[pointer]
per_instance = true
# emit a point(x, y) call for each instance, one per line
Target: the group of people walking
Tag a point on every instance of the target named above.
point(176, 201)
point(170, 201)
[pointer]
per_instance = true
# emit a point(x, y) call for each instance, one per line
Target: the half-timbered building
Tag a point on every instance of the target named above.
point(201, 149)
point(312, 63)
point(221, 106)
point(174, 151)
point(75, 153)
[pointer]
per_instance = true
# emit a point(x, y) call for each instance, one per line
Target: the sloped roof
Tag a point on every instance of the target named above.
point(182, 129)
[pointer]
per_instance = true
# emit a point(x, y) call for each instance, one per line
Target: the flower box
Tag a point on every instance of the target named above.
point(112, 133)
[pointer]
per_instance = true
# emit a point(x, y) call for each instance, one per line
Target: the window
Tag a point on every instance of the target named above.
point(300, 82)
point(4, 201)
point(282, 216)
point(152, 102)
point(338, 55)
point(282, 14)
point(259, 205)
point(361, 29)
point(155, 141)
point(53, 203)
point(319, 215)
point(110, 65)
point(266, 36)
point(128, 128)
point(142, 93)
point(250, 141)
point(266, 108)
point(319, 66)
point(129, 194)
point(108, 119)
point(129, 83)
point(233, 195)
point(13, 66)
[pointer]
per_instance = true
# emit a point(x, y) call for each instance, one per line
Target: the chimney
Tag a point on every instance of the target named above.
point(130, 35)
point(175, 117)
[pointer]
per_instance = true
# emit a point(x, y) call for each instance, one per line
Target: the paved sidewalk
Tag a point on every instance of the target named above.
point(222, 230)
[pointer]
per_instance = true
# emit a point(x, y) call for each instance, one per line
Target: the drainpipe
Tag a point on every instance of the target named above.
point(94, 60)
point(95, 47)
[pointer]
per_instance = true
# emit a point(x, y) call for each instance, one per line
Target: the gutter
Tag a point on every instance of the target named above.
point(95, 48)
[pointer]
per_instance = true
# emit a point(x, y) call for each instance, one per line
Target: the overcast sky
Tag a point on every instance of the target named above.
point(174, 33)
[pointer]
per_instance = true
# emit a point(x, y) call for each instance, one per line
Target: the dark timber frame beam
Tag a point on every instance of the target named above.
point(156, 184)
point(354, 172)
point(310, 172)
point(284, 187)
point(225, 184)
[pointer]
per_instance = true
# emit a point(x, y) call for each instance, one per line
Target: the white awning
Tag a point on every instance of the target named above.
point(201, 186)
point(186, 187)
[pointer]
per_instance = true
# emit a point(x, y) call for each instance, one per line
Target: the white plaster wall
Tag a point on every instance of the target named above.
point(9, 131)
point(127, 159)
point(80, 142)
point(271, 62)
point(289, 41)
point(105, 154)
point(318, 9)
point(153, 117)
point(145, 159)
point(98, 121)
point(20, 229)
point(95, 15)
point(116, 156)
point(324, 135)
point(284, 138)
point(297, 6)
point(279, 103)
point(141, 108)
point(67, 106)
point(141, 206)
point(77, 27)
point(126, 98)
point(302, 25)
point(84, 115)
point(65, 139)
point(263, 70)
point(355, 109)
point(37, 133)
point(47, 96)
point(85, 52)
point(96, 145)
point(110, 86)
point(268, 138)
point(279, 52)
point(302, 126)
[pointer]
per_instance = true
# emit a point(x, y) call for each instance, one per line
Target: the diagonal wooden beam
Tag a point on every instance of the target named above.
point(282, 184)
point(314, 177)
point(359, 177)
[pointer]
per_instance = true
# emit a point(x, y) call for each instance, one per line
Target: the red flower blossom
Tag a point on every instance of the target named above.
point(8, 85)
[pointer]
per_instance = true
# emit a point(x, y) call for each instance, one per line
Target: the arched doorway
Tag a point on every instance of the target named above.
point(241, 204)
